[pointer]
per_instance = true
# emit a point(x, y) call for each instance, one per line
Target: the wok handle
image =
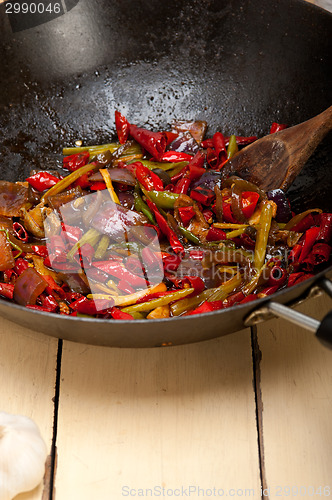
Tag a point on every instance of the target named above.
point(322, 329)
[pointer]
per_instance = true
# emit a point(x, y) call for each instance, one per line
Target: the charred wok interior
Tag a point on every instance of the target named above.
point(239, 65)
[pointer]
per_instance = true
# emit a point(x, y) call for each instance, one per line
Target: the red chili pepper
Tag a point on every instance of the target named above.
point(166, 229)
point(90, 307)
point(20, 231)
point(215, 234)
point(8, 274)
point(20, 266)
point(325, 227)
point(122, 127)
point(195, 282)
point(175, 178)
point(57, 249)
point(50, 303)
point(233, 299)
point(117, 270)
point(202, 195)
point(40, 250)
point(118, 314)
point(196, 254)
point(186, 214)
point(7, 290)
point(78, 160)
point(275, 127)
point(175, 156)
point(82, 182)
point(249, 201)
point(249, 298)
point(270, 290)
point(149, 180)
point(42, 180)
point(319, 254)
point(97, 186)
point(153, 142)
point(240, 141)
point(278, 276)
point(295, 253)
point(220, 146)
point(296, 278)
point(170, 261)
point(304, 224)
point(182, 186)
point(208, 215)
point(227, 213)
point(212, 158)
point(206, 307)
point(196, 164)
point(309, 240)
point(125, 287)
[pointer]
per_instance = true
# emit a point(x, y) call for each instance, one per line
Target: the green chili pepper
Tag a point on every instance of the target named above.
point(113, 146)
point(164, 166)
point(163, 199)
point(91, 236)
point(141, 206)
point(102, 247)
point(189, 235)
point(263, 234)
point(12, 244)
point(185, 305)
point(162, 301)
point(232, 148)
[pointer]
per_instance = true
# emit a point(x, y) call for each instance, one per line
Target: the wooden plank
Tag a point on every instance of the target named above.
point(27, 369)
point(296, 387)
point(167, 417)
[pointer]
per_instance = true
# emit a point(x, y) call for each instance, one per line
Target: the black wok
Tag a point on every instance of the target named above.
point(239, 64)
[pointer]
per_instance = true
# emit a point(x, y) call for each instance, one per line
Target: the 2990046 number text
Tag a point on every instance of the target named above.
point(32, 8)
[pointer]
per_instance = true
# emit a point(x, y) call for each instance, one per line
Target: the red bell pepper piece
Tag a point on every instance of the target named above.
point(206, 307)
point(20, 266)
point(325, 227)
point(78, 160)
point(215, 234)
point(149, 180)
point(97, 186)
point(118, 314)
point(7, 290)
point(186, 214)
point(203, 195)
point(309, 240)
point(153, 142)
point(165, 228)
point(249, 201)
point(171, 136)
point(175, 156)
point(49, 303)
point(275, 127)
point(122, 127)
point(42, 181)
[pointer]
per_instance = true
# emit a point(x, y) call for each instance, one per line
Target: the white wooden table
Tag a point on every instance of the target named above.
point(238, 413)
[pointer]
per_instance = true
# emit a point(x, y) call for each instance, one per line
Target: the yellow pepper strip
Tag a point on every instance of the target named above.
point(159, 312)
point(185, 305)
point(263, 233)
point(106, 176)
point(253, 283)
point(162, 301)
point(222, 291)
point(69, 179)
point(126, 300)
point(235, 233)
point(227, 225)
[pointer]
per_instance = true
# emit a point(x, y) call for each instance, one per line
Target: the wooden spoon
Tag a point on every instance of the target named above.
point(275, 160)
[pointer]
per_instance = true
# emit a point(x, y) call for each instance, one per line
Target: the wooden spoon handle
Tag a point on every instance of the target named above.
point(301, 141)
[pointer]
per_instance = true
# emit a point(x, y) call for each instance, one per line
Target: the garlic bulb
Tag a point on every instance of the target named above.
point(22, 455)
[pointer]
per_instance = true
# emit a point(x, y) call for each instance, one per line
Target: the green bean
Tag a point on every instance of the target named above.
point(141, 206)
point(189, 235)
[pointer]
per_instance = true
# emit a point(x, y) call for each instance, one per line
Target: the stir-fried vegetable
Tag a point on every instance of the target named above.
point(151, 228)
